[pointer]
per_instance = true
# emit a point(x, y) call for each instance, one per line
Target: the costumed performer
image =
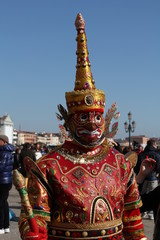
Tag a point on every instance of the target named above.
point(84, 189)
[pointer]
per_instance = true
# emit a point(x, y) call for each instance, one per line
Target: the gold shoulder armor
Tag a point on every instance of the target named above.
point(132, 157)
point(32, 168)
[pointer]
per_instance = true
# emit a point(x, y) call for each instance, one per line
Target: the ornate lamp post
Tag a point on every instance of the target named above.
point(130, 127)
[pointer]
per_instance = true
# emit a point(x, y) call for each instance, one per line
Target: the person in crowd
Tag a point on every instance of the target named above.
point(118, 147)
point(83, 189)
point(43, 150)
point(127, 150)
point(6, 167)
point(26, 151)
point(37, 150)
point(151, 200)
point(16, 157)
point(151, 180)
point(139, 149)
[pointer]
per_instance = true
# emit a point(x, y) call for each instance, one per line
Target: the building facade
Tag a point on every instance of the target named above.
point(48, 139)
point(27, 137)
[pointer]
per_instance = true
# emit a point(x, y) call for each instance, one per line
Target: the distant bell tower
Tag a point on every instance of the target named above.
point(6, 127)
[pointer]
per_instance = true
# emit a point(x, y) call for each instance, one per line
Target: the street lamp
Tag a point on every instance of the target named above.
point(130, 127)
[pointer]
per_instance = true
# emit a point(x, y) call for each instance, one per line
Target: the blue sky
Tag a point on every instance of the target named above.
point(37, 59)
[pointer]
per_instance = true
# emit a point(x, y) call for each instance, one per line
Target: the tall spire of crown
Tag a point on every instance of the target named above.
point(85, 96)
point(84, 78)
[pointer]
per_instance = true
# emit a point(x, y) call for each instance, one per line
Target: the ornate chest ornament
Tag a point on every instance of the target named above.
point(85, 158)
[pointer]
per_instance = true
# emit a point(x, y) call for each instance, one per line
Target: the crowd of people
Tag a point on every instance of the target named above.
point(34, 151)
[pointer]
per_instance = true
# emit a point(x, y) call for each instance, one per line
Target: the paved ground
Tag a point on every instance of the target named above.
point(14, 203)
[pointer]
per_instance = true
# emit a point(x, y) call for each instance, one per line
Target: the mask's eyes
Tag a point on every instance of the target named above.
point(98, 118)
point(83, 117)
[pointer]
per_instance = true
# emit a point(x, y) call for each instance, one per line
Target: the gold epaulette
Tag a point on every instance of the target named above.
point(32, 168)
point(132, 157)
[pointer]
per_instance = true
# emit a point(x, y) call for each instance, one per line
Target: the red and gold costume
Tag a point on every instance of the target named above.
point(84, 189)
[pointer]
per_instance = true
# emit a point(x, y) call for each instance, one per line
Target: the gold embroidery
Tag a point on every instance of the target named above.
point(81, 195)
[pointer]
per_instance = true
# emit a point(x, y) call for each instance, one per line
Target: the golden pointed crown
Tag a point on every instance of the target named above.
point(85, 96)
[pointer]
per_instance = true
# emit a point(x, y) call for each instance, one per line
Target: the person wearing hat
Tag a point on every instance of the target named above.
point(84, 189)
point(6, 167)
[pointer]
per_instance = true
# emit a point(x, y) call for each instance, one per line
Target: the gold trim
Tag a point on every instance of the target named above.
point(84, 233)
point(133, 205)
point(23, 227)
point(79, 238)
point(31, 237)
point(85, 227)
point(76, 100)
point(106, 202)
point(128, 219)
point(137, 225)
point(80, 167)
point(129, 177)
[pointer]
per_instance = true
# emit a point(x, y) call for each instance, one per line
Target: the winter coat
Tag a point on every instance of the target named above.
point(6, 163)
